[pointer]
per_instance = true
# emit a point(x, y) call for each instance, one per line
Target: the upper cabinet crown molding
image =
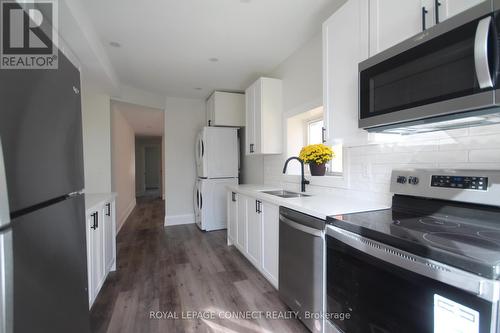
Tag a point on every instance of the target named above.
point(226, 109)
point(264, 117)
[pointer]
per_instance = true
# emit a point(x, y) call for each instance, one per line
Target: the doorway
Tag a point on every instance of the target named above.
point(148, 166)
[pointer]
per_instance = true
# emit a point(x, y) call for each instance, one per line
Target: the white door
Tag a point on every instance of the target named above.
point(345, 45)
point(250, 120)
point(270, 242)
point(220, 152)
point(213, 203)
point(108, 236)
point(242, 204)
point(90, 257)
point(254, 229)
point(449, 8)
point(197, 202)
point(392, 21)
point(232, 216)
point(199, 151)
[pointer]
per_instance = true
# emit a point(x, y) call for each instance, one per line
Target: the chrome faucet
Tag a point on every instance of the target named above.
point(303, 181)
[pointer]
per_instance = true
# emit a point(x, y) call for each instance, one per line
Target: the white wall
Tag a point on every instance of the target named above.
point(183, 119)
point(96, 122)
point(367, 167)
point(123, 164)
point(302, 91)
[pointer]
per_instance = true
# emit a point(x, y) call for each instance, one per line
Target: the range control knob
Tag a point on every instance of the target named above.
point(413, 180)
point(401, 180)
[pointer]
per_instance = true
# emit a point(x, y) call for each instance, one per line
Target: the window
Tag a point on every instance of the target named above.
point(315, 131)
point(304, 129)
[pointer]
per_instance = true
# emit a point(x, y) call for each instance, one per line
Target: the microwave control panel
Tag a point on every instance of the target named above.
point(460, 182)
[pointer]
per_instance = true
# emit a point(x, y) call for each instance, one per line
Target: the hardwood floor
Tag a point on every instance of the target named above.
point(181, 271)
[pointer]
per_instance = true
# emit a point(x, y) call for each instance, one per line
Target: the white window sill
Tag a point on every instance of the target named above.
point(324, 181)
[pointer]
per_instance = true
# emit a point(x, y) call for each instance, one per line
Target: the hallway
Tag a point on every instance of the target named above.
point(182, 272)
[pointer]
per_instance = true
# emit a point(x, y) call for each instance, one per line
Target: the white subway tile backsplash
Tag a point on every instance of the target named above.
point(369, 166)
point(484, 155)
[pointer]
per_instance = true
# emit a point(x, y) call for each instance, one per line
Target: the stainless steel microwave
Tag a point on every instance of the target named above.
point(445, 77)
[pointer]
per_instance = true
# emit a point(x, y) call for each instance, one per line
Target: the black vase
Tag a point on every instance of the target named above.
point(317, 169)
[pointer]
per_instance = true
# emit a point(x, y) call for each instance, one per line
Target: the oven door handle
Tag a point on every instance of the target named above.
point(300, 227)
point(481, 53)
point(483, 288)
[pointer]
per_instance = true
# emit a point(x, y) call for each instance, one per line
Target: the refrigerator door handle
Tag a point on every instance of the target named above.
point(4, 198)
point(6, 282)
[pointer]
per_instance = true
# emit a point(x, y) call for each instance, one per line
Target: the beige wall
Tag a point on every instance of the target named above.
point(123, 164)
point(183, 119)
point(96, 140)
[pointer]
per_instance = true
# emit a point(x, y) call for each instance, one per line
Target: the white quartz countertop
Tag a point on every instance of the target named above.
point(317, 205)
point(92, 200)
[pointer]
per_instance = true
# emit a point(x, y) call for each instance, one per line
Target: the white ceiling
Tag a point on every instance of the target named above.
point(167, 44)
point(143, 120)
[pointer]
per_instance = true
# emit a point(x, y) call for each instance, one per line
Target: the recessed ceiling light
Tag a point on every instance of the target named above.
point(245, 1)
point(115, 44)
point(213, 59)
point(197, 88)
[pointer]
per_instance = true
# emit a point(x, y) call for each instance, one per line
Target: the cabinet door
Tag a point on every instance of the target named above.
point(270, 242)
point(241, 242)
point(258, 86)
point(232, 216)
point(250, 119)
point(254, 229)
point(345, 44)
point(99, 251)
point(210, 106)
point(108, 237)
point(392, 21)
point(90, 258)
point(449, 8)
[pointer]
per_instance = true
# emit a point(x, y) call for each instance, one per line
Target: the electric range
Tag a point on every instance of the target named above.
point(430, 263)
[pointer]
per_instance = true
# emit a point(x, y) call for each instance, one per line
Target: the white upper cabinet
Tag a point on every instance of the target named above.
point(449, 8)
point(345, 45)
point(392, 21)
point(226, 109)
point(264, 116)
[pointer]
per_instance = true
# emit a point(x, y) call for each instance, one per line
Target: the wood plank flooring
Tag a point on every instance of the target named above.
point(183, 272)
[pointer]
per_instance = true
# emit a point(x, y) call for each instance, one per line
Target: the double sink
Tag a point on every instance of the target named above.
point(285, 194)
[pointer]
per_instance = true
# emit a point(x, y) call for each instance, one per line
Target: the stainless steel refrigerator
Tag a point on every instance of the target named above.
point(43, 265)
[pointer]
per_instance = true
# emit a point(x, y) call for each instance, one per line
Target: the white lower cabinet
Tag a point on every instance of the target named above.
point(253, 228)
point(241, 206)
point(101, 246)
point(270, 242)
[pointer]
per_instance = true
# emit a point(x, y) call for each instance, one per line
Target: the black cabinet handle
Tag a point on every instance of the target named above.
point(94, 224)
point(258, 206)
point(201, 201)
point(108, 205)
point(436, 6)
point(202, 149)
point(323, 134)
point(97, 220)
point(424, 13)
point(233, 196)
point(198, 198)
point(251, 147)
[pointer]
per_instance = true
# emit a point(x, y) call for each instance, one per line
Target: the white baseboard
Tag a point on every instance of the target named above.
point(129, 210)
point(179, 219)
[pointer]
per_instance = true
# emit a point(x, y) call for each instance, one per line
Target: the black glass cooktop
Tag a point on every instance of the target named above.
point(460, 235)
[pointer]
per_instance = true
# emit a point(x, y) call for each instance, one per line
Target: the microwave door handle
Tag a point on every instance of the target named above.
point(481, 53)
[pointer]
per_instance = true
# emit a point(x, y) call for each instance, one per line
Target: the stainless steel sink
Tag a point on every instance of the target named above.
point(285, 194)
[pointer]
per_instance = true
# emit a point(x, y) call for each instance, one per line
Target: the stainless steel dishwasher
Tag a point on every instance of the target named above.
point(301, 263)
